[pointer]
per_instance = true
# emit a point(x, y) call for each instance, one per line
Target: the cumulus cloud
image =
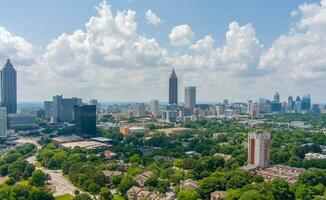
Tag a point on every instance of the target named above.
point(152, 18)
point(204, 44)
point(181, 35)
point(301, 54)
point(15, 48)
point(108, 59)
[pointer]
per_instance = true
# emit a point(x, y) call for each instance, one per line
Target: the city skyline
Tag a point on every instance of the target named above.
point(130, 62)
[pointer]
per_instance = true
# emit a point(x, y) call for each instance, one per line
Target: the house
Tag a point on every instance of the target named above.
point(110, 174)
point(218, 195)
point(137, 193)
point(188, 184)
point(141, 179)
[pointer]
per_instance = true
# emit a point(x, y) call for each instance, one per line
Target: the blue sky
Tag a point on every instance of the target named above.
point(125, 49)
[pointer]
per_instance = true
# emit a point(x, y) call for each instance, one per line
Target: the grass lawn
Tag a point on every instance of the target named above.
point(64, 197)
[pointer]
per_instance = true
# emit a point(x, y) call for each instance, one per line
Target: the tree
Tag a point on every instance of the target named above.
point(188, 194)
point(253, 195)
point(208, 185)
point(38, 178)
point(126, 183)
point(105, 194)
point(40, 194)
point(83, 196)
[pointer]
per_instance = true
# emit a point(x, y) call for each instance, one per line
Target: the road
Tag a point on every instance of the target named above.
point(58, 180)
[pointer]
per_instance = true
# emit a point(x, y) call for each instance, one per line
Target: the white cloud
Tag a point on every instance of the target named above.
point(301, 54)
point(204, 44)
point(15, 48)
point(152, 18)
point(181, 35)
point(108, 59)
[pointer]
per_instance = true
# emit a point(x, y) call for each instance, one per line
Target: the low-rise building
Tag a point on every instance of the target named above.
point(21, 121)
point(141, 179)
point(188, 184)
point(137, 193)
point(131, 131)
point(314, 156)
point(110, 174)
point(218, 195)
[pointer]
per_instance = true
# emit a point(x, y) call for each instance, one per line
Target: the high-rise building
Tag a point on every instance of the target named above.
point(48, 108)
point(173, 88)
point(226, 102)
point(139, 110)
point(9, 88)
point(63, 108)
point(3, 122)
point(306, 103)
point(95, 103)
point(252, 109)
point(259, 149)
point(190, 100)
point(85, 120)
point(298, 105)
point(155, 108)
point(277, 97)
point(290, 103)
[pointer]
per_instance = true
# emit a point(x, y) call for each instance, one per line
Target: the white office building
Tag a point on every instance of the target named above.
point(155, 108)
point(259, 149)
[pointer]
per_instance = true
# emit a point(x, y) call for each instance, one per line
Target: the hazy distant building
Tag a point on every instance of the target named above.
point(306, 103)
point(85, 120)
point(63, 108)
point(252, 109)
point(225, 102)
point(264, 106)
point(220, 109)
point(21, 121)
point(277, 97)
point(173, 88)
point(9, 88)
point(94, 102)
point(155, 108)
point(259, 149)
point(170, 116)
point(290, 103)
point(3, 122)
point(190, 100)
point(48, 108)
point(139, 110)
point(298, 105)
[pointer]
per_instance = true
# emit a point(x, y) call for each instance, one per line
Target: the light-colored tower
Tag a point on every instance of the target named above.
point(277, 97)
point(155, 108)
point(290, 103)
point(3, 122)
point(139, 110)
point(252, 109)
point(190, 99)
point(259, 148)
point(9, 88)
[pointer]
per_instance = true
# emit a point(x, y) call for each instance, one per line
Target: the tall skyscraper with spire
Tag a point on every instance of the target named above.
point(173, 88)
point(9, 88)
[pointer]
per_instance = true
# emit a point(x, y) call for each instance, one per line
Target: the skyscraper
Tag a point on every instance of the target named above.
point(3, 122)
point(190, 100)
point(277, 97)
point(9, 88)
point(63, 108)
point(173, 88)
point(155, 108)
point(139, 110)
point(259, 148)
point(85, 120)
point(290, 103)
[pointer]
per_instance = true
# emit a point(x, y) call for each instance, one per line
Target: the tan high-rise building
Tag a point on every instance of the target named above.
point(259, 149)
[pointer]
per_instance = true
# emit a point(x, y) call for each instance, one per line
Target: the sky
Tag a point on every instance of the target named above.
point(124, 50)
